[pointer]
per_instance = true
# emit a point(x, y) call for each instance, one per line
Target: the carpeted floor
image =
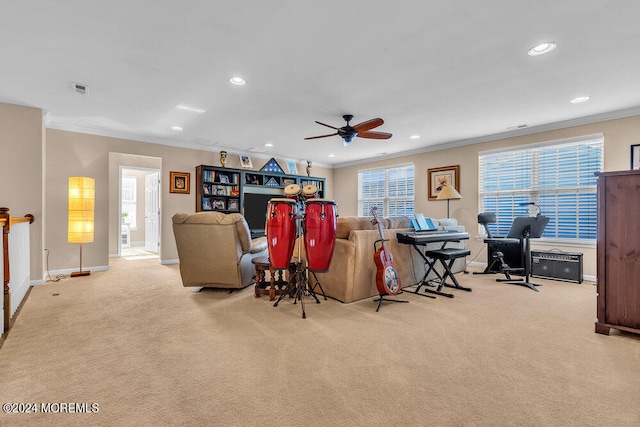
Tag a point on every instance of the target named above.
point(137, 252)
point(148, 351)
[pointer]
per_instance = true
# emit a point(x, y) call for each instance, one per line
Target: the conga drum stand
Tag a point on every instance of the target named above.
point(317, 285)
point(299, 283)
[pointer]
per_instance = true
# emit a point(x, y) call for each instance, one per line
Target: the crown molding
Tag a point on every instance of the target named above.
point(51, 124)
point(596, 118)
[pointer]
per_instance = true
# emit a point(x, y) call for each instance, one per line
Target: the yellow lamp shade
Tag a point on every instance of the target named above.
point(448, 193)
point(81, 209)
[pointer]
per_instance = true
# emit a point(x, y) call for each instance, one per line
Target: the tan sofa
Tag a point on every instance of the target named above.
point(352, 273)
point(216, 250)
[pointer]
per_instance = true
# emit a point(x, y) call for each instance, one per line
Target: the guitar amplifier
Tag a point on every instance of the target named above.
point(556, 265)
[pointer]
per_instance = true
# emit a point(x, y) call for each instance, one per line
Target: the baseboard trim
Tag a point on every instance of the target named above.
point(170, 261)
point(478, 264)
point(68, 271)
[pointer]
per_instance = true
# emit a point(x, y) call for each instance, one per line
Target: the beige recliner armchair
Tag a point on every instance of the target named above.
point(216, 249)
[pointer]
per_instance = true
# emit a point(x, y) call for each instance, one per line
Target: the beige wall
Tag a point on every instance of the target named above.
point(21, 173)
point(619, 134)
point(37, 163)
point(72, 153)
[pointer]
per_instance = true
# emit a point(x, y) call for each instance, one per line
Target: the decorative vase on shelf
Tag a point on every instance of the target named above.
point(223, 158)
point(308, 167)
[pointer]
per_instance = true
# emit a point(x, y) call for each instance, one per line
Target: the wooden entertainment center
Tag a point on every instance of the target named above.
point(618, 252)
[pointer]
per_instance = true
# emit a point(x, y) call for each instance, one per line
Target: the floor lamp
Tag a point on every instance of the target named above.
point(448, 193)
point(81, 207)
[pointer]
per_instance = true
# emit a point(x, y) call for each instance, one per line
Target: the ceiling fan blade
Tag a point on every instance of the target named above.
point(322, 136)
point(324, 124)
point(369, 124)
point(374, 135)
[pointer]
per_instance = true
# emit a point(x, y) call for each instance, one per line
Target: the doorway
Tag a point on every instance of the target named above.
point(139, 212)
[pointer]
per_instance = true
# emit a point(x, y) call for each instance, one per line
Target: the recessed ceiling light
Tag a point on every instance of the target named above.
point(176, 128)
point(268, 144)
point(332, 155)
point(192, 109)
point(579, 99)
point(238, 81)
point(414, 137)
point(542, 48)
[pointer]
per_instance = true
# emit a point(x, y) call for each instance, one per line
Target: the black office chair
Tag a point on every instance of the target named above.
point(504, 254)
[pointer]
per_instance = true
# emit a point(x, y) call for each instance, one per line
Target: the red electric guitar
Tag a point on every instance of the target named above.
point(387, 278)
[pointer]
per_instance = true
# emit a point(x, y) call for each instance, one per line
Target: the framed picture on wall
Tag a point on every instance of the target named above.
point(439, 177)
point(245, 161)
point(292, 168)
point(635, 157)
point(179, 182)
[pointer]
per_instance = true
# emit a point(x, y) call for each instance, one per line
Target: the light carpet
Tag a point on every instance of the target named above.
point(150, 352)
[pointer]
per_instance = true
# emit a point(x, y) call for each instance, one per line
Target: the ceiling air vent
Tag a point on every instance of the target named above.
point(201, 141)
point(80, 88)
point(259, 149)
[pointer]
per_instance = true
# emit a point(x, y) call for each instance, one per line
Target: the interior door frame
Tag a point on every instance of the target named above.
point(125, 167)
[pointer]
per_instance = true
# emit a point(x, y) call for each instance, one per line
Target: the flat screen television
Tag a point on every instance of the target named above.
point(255, 212)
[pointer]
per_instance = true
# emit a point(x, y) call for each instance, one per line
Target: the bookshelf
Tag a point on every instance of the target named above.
point(218, 189)
point(223, 189)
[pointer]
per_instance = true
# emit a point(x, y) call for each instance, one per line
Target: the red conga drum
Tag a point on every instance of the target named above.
point(281, 231)
point(309, 191)
point(320, 233)
point(292, 191)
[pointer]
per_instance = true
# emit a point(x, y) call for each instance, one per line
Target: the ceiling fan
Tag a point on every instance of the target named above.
point(361, 130)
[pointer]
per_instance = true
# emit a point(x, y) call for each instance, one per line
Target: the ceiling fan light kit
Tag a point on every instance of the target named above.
point(361, 130)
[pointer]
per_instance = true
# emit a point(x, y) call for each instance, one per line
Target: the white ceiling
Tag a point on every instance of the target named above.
point(449, 70)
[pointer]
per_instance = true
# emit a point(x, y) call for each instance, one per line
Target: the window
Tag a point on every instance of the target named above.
point(389, 190)
point(128, 197)
point(557, 176)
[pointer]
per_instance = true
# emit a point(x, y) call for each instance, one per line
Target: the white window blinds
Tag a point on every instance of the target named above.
point(557, 176)
point(389, 190)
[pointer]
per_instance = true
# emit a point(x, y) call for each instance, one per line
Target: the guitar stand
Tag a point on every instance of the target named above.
point(382, 298)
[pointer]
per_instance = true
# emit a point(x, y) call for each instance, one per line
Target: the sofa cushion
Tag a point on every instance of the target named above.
point(349, 223)
point(258, 244)
point(446, 222)
point(399, 222)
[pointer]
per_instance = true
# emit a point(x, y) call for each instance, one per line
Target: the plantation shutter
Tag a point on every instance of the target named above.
point(557, 176)
point(389, 190)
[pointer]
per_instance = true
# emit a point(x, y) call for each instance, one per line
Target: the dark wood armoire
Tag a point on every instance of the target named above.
point(618, 252)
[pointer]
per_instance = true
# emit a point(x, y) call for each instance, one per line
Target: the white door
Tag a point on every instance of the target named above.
point(152, 213)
